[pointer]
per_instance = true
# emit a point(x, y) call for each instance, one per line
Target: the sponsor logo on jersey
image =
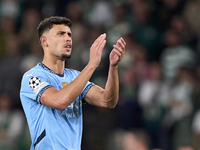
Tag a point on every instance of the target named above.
point(64, 84)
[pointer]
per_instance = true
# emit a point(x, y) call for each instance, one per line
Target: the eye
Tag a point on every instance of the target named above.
point(61, 33)
point(69, 34)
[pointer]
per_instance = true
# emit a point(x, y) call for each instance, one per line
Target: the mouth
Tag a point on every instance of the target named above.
point(68, 46)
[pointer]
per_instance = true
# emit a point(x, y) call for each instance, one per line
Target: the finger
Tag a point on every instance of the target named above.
point(102, 45)
point(118, 49)
point(120, 56)
point(117, 52)
point(97, 41)
point(121, 44)
point(123, 41)
point(101, 41)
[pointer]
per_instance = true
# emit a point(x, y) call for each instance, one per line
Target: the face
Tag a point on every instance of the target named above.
point(58, 41)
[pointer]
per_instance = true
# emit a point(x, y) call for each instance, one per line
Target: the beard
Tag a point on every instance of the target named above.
point(65, 56)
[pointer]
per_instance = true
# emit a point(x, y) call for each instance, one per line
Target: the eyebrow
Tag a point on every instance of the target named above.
point(63, 32)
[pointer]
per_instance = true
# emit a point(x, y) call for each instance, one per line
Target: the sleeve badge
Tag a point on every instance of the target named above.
point(34, 82)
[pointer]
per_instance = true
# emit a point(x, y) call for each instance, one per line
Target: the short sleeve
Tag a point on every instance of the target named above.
point(86, 89)
point(34, 84)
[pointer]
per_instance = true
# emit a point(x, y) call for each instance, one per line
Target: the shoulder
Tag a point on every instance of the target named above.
point(36, 73)
point(71, 72)
point(37, 70)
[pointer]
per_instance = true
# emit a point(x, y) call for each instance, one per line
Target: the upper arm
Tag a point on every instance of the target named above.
point(33, 85)
point(95, 96)
point(43, 92)
point(50, 98)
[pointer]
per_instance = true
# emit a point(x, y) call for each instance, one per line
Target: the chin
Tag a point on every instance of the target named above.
point(65, 57)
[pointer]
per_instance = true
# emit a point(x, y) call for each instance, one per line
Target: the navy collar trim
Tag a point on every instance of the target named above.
point(49, 70)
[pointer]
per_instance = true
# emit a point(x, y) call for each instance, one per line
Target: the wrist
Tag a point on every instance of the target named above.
point(91, 66)
point(114, 66)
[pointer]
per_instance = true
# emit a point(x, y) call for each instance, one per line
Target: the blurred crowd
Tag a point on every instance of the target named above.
point(159, 104)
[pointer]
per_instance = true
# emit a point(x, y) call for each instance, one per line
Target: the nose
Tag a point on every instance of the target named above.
point(68, 39)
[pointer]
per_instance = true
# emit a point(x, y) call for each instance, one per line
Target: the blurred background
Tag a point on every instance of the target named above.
point(159, 104)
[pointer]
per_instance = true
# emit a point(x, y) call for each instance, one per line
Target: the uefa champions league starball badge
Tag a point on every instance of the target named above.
point(34, 82)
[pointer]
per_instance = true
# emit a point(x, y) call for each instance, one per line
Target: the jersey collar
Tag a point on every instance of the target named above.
point(49, 70)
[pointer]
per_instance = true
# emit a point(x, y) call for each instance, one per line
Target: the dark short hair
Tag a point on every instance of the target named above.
point(48, 23)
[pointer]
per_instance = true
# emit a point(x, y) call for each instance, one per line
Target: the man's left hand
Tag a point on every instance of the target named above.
point(118, 52)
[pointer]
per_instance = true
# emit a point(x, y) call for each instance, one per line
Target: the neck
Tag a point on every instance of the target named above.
point(56, 65)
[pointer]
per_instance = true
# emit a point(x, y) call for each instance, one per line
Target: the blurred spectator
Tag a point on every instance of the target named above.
point(10, 8)
point(48, 8)
point(150, 98)
point(196, 129)
point(31, 59)
point(130, 79)
point(192, 9)
point(11, 124)
point(166, 9)
point(94, 32)
point(129, 85)
point(129, 140)
point(99, 123)
point(175, 55)
point(146, 32)
point(137, 140)
point(80, 36)
point(180, 108)
point(139, 65)
point(7, 27)
point(101, 14)
point(74, 12)
point(191, 14)
point(28, 30)
point(10, 73)
point(121, 23)
point(185, 147)
point(129, 55)
point(128, 106)
point(179, 24)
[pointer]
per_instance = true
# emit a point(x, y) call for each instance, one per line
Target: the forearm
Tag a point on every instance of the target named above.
point(61, 99)
point(74, 89)
point(111, 92)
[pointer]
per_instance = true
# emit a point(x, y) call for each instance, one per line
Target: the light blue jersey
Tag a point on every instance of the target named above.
point(51, 129)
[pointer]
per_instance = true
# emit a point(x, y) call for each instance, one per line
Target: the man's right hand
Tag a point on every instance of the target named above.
point(96, 50)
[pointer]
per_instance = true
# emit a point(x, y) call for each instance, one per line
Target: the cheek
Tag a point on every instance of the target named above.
point(53, 43)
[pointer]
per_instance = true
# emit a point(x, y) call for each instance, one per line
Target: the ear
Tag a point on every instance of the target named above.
point(43, 41)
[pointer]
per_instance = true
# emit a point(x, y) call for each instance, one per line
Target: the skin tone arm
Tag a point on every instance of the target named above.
point(108, 97)
point(60, 99)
